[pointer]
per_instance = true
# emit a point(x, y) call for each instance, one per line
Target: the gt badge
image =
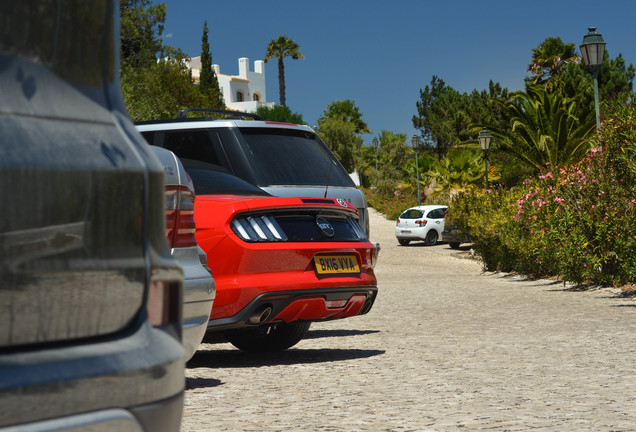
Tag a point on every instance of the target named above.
point(324, 227)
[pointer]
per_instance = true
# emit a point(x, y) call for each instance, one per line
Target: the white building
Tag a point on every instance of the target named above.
point(243, 92)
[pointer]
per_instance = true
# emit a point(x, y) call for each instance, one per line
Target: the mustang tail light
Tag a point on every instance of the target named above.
point(296, 227)
point(258, 228)
point(180, 226)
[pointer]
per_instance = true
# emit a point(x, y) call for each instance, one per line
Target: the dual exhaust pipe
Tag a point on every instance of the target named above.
point(262, 314)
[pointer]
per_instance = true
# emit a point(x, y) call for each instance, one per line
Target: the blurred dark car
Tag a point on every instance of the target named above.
point(453, 236)
point(90, 298)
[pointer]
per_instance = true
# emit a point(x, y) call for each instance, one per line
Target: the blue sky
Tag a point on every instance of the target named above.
point(381, 53)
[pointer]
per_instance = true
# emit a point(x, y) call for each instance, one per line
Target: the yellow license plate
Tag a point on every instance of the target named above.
point(336, 264)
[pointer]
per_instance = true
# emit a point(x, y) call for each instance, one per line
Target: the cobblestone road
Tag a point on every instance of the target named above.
point(445, 348)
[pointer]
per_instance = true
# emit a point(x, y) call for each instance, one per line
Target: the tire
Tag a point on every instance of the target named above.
point(431, 238)
point(404, 242)
point(268, 338)
point(454, 245)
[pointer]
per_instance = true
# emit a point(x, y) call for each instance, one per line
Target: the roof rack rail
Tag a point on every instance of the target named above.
point(183, 114)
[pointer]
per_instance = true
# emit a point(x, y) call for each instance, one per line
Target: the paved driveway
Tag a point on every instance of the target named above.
point(445, 348)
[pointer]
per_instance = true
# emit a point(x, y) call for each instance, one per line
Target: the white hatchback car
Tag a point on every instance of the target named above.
point(421, 223)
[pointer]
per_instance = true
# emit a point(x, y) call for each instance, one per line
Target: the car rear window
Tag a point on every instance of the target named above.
point(209, 179)
point(411, 214)
point(195, 144)
point(283, 157)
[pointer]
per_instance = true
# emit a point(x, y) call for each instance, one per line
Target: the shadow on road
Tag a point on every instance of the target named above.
point(218, 338)
point(316, 334)
point(195, 383)
point(234, 358)
point(417, 243)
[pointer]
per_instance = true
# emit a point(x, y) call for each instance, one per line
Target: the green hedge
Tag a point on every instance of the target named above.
point(392, 206)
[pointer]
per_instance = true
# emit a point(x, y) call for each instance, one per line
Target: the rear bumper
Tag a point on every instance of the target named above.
point(410, 233)
point(162, 416)
point(195, 320)
point(306, 305)
point(96, 383)
point(199, 291)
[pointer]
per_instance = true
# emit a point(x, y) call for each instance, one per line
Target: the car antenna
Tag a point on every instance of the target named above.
point(328, 176)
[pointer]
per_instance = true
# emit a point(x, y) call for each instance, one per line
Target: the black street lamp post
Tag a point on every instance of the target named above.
point(376, 143)
point(415, 142)
point(593, 51)
point(484, 142)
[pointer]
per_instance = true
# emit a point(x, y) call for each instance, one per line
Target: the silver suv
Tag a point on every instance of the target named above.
point(285, 160)
point(199, 289)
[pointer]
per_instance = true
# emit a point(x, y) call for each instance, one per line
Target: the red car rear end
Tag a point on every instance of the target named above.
point(279, 263)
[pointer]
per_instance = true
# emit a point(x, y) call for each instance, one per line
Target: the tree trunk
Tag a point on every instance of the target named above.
point(281, 81)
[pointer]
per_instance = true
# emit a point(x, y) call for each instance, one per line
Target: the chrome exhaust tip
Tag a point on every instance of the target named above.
point(260, 315)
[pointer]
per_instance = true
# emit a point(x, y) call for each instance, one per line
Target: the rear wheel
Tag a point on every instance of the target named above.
point(454, 245)
point(404, 242)
point(268, 338)
point(431, 238)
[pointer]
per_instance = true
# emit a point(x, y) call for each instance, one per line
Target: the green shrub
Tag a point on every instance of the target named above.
point(577, 222)
point(482, 217)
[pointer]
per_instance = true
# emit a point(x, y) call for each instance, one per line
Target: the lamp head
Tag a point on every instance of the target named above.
point(484, 139)
point(593, 48)
point(415, 142)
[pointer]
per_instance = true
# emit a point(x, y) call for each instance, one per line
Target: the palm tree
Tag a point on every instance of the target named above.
point(281, 48)
point(459, 169)
point(544, 128)
point(349, 112)
point(550, 59)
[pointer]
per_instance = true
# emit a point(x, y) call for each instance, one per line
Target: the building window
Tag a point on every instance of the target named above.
point(239, 96)
point(256, 97)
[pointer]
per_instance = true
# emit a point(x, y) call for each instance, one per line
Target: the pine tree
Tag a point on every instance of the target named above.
point(208, 82)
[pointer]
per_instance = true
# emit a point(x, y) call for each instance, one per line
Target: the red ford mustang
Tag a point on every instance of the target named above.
point(278, 263)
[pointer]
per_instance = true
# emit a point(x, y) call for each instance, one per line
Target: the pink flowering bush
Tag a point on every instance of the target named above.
point(576, 222)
